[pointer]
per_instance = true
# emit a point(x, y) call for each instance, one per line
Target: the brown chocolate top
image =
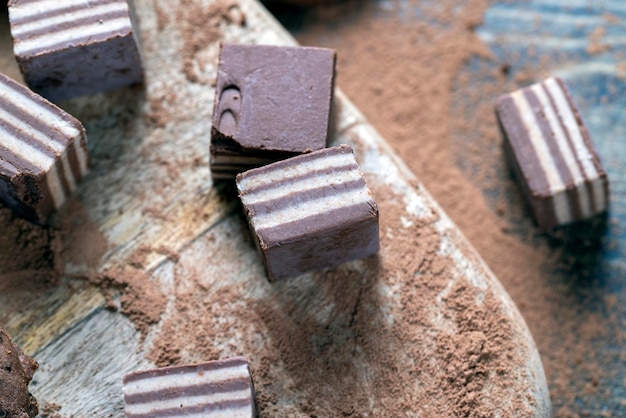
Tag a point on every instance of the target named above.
point(275, 98)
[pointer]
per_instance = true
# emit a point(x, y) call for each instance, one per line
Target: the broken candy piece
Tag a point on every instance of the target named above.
point(549, 147)
point(221, 388)
point(68, 48)
point(271, 103)
point(16, 371)
point(310, 212)
point(43, 152)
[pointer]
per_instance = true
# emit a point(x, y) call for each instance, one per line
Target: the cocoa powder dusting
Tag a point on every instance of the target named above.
point(358, 360)
point(409, 78)
point(210, 16)
point(139, 298)
point(352, 360)
point(28, 253)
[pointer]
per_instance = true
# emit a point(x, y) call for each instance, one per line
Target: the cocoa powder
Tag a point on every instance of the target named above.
point(405, 82)
point(410, 78)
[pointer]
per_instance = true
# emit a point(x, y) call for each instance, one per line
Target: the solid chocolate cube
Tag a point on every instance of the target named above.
point(43, 152)
point(217, 389)
point(310, 212)
point(271, 103)
point(68, 48)
point(551, 151)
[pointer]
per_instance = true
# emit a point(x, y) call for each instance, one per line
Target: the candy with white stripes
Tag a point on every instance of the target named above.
point(551, 151)
point(310, 212)
point(216, 389)
point(68, 48)
point(43, 152)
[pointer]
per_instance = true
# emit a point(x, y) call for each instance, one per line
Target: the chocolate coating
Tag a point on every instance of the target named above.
point(16, 371)
point(271, 103)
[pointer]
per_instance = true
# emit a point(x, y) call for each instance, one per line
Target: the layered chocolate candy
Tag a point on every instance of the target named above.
point(43, 152)
point(215, 389)
point(68, 48)
point(271, 103)
point(550, 149)
point(310, 212)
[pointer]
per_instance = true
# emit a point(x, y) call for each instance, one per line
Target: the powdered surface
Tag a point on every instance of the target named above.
point(427, 83)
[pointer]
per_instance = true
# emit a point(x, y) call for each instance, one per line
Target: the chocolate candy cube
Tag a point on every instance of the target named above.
point(43, 152)
point(310, 212)
point(271, 103)
point(551, 151)
point(68, 48)
point(215, 389)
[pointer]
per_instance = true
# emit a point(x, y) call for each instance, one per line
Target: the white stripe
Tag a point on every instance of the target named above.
point(565, 150)
point(557, 188)
point(183, 402)
point(54, 184)
point(52, 21)
point(295, 170)
point(24, 47)
point(283, 190)
point(173, 381)
point(35, 8)
point(41, 110)
point(67, 171)
point(81, 154)
point(310, 207)
point(583, 153)
point(27, 129)
point(26, 151)
point(599, 193)
point(241, 412)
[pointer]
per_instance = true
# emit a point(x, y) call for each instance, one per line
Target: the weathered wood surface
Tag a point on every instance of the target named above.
point(151, 197)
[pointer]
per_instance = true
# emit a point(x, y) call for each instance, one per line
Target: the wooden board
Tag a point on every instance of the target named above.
point(150, 199)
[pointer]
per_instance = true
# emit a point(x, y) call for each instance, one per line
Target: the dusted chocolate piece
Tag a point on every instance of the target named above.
point(16, 371)
point(550, 149)
point(310, 212)
point(215, 389)
point(271, 103)
point(43, 152)
point(68, 48)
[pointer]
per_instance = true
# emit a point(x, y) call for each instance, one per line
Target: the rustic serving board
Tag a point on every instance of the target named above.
point(149, 205)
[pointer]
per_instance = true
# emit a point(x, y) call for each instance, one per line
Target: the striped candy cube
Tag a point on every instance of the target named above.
point(43, 152)
point(68, 48)
point(217, 389)
point(310, 212)
point(550, 149)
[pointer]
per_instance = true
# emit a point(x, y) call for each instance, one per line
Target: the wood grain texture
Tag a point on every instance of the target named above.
point(150, 197)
